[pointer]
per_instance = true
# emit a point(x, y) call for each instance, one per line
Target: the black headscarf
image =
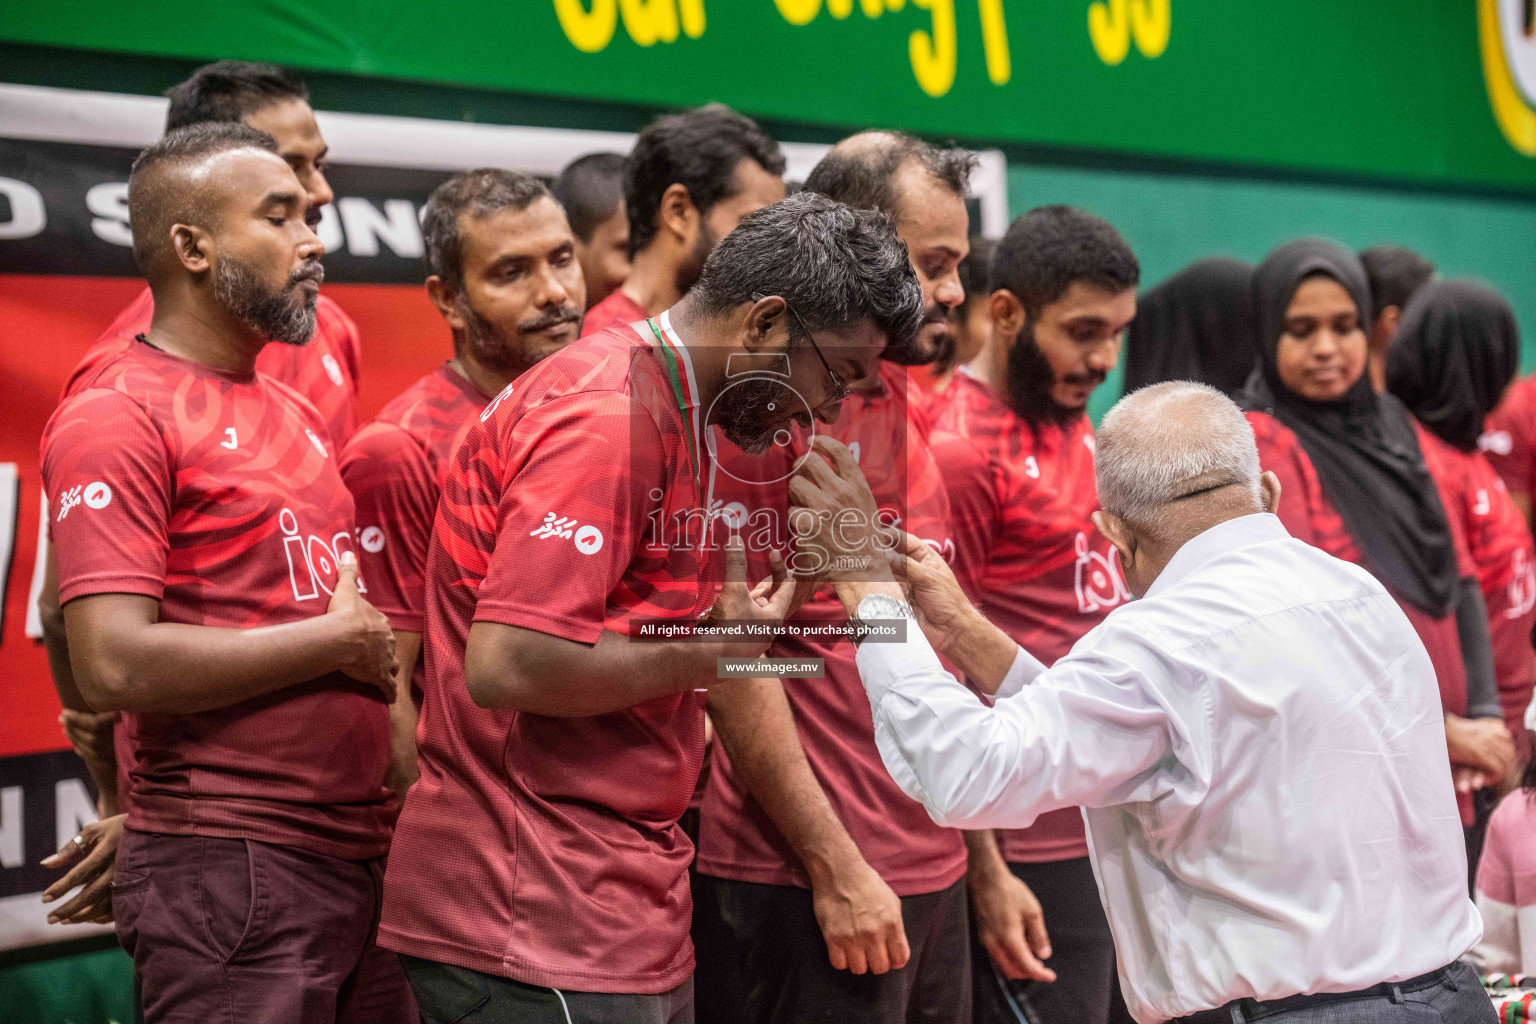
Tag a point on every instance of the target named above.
point(1455, 351)
point(1196, 325)
point(1362, 444)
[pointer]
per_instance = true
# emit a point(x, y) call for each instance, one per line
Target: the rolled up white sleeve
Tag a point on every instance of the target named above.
point(1089, 732)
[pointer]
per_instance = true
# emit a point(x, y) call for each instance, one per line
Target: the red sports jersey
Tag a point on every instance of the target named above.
point(547, 849)
point(614, 311)
point(1309, 516)
point(1504, 561)
point(832, 715)
point(325, 371)
point(1026, 550)
point(217, 495)
point(1510, 438)
point(394, 467)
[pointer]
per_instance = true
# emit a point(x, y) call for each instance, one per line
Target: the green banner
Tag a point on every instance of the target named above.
point(1434, 91)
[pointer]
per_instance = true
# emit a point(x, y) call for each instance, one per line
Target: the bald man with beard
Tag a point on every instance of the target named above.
point(209, 587)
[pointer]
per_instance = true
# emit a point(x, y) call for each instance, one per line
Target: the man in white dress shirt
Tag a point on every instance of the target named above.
point(1257, 742)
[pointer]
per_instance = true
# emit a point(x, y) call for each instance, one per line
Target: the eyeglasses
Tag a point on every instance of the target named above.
point(839, 389)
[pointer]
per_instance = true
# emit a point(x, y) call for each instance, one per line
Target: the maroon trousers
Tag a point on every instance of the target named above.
point(233, 931)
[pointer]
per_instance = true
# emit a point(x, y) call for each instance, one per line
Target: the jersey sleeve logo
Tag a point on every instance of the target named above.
point(96, 494)
point(332, 369)
point(588, 539)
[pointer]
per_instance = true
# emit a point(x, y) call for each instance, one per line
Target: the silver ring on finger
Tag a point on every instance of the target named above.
point(79, 841)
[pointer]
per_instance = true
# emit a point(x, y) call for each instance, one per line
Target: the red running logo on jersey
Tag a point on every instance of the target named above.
point(1099, 583)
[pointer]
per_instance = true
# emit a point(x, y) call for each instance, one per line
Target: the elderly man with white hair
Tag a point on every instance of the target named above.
point(1256, 742)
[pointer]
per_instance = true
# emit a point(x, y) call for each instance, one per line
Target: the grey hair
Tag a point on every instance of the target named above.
point(1169, 441)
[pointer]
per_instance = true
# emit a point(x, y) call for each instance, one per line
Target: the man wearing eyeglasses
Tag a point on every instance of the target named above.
point(828, 891)
point(538, 871)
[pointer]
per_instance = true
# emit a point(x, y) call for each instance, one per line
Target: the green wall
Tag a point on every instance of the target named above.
point(1172, 220)
point(91, 988)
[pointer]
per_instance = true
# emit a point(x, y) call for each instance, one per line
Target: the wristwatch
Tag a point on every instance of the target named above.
point(877, 608)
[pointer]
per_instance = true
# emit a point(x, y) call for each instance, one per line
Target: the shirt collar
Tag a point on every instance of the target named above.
point(1232, 535)
point(691, 401)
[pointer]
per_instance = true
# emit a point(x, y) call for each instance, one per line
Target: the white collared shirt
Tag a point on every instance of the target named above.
point(1259, 750)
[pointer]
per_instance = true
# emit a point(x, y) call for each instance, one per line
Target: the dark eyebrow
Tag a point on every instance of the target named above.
point(281, 199)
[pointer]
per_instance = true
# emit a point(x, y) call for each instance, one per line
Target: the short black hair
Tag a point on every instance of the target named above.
point(155, 202)
point(860, 171)
point(833, 264)
point(698, 149)
point(479, 193)
point(1050, 248)
point(976, 269)
point(1396, 273)
point(229, 90)
point(590, 188)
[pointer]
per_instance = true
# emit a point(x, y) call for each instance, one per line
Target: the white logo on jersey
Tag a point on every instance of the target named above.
point(97, 495)
point(233, 442)
point(1482, 506)
point(1497, 441)
point(1099, 583)
point(332, 369)
point(1522, 587)
point(589, 540)
point(494, 403)
point(319, 445)
point(1031, 467)
point(372, 540)
point(68, 500)
point(854, 449)
point(313, 561)
point(554, 526)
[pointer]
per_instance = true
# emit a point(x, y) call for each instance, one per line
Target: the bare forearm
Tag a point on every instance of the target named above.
point(514, 669)
point(55, 640)
point(404, 714)
point(983, 858)
point(181, 669)
point(757, 726)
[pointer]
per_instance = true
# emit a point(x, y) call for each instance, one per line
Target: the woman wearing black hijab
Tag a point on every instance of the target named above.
point(1355, 483)
point(1196, 325)
point(1453, 356)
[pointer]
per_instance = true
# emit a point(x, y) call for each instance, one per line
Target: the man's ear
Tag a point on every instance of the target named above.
point(1386, 325)
point(677, 215)
point(191, 246)
point(767, 325)
point(1269, 491)
point(446, 298)
point(1008, 315)
point(1114, 530)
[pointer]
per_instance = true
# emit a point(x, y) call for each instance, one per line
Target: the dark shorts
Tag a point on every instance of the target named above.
point(458, 995)
point(775, 946)
point(233, 931)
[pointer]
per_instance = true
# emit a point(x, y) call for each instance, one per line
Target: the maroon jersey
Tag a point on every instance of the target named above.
point(1026, 550)
point(614, 311)
point(1504, 562)
point(832, 715)
point(1510, 440)
point(394, 468)
point(325, 371)
point(217, 495)
point(1309, 516)
point(547, 849)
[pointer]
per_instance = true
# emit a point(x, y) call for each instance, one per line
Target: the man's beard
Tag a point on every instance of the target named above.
point(933, 344)
point(743, 416)
point(508, 352)
point(1030, 381)
point(285, 315)
point(692, 269)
